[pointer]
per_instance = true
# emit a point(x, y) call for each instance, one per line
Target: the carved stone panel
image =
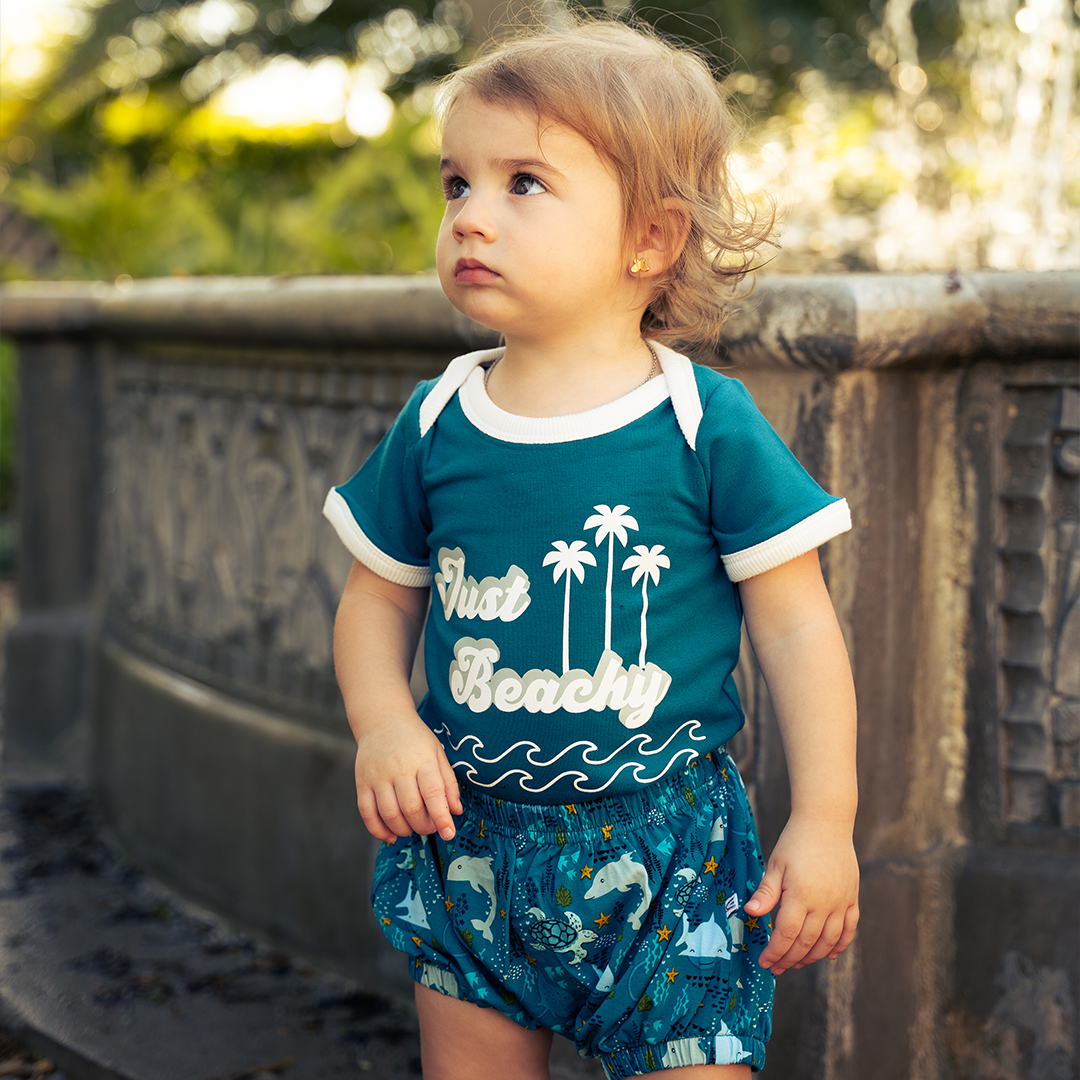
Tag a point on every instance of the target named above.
point(1038, 608)
point(219, 561)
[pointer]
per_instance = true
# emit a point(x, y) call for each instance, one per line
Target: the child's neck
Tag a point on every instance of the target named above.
point(555, 378)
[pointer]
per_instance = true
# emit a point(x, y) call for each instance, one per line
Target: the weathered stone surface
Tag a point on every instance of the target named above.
point(241, 808)
point(60, 446)
point(935, 404)
point(1013, 1012)
point(831, 323)
point(402, 311)
point(46, 729)
point(45, 678)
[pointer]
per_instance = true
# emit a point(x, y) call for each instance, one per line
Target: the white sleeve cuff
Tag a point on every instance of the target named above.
point(808, 534)
point(336, 511)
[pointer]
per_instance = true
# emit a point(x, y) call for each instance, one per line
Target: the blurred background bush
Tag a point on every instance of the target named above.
point(150, 137)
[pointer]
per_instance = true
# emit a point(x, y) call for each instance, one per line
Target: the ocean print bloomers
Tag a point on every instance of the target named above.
point(585, 620)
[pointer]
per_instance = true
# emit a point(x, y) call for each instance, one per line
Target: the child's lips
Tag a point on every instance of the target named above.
point(473, 272)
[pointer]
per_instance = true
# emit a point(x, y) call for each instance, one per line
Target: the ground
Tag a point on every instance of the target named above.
point(106, 974)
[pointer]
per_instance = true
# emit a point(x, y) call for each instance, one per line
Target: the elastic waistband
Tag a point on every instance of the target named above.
point(602, 818)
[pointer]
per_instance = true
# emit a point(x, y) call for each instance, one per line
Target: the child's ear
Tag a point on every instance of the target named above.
point(662, 241)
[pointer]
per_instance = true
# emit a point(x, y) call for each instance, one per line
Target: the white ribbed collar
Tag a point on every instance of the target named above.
point(465, 377)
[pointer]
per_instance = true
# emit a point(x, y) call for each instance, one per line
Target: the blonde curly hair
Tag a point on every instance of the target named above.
point(655, 111)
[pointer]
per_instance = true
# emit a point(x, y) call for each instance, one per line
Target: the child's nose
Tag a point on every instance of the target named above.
point(474, 218)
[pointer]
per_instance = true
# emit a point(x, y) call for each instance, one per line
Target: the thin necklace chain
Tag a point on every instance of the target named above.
point(652, 371)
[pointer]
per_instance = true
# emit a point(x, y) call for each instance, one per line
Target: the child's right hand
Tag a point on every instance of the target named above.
point(404, 782)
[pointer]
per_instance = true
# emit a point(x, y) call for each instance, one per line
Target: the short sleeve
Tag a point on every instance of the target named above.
point(380, 514)
point(765, 507)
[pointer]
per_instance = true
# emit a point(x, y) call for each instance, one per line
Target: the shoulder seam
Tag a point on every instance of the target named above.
point(448, 384)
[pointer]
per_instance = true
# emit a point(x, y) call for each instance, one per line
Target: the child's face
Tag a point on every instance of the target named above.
point(532, 241)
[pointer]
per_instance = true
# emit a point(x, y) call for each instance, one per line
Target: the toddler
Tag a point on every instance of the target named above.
point(597, 515)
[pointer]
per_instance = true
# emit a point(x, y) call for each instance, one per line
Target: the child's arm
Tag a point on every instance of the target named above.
point(812, 872)
point(404, 782)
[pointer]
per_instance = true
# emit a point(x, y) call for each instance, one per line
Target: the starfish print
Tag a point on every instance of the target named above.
point(586, 872)
point(603, 920)
point(502, 913)
point(482, 830)
point(530, 959)
point(752, 923)
point(449, 903)
point(606, 830)
point(671, 975)
point(418, 941)
point(570, 808)
point(664, 934)
point(385, 921)
point(710, 866)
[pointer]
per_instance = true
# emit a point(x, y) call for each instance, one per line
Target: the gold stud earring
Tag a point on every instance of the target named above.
point(640, 266)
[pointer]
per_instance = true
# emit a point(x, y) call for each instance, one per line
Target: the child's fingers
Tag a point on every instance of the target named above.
point(392, 812)
point(767, 893)
point(851, 922)
point(789, 930)
point(373, 822)
point(432, 784)
point(805, 940)
point(453, 792)
point(413, 806)
point(829, 936)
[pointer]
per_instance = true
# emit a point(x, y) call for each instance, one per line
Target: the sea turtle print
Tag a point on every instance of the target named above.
point(559, 892)
point(682, 893)
point(569, 936)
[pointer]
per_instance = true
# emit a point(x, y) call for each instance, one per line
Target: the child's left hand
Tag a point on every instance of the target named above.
point(814, 874)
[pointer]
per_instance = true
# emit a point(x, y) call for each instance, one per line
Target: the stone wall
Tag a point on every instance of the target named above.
point(178, 586)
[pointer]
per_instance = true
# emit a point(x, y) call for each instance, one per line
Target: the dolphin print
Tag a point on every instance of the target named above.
point(621, 875)
point(477, 872)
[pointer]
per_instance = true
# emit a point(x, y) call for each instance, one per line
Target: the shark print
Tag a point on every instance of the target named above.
point(708, 941)
point(543, 913)
point(412, 908)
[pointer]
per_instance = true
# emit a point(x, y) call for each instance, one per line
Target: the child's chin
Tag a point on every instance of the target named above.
point(472, 311)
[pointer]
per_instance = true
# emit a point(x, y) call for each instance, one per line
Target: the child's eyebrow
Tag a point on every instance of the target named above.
point(509, 165)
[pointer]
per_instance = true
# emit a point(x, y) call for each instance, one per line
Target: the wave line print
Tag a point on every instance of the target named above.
point(690, 725)
point(579, 784)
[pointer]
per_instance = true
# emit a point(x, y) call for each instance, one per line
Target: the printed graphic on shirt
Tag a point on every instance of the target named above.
point(474, 681)
point(504, 598)
point(525, 758)
point(631, 690)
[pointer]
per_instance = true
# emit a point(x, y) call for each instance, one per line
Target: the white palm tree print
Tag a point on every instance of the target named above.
point(646, 564)
point(610, 524)
point(568, 559)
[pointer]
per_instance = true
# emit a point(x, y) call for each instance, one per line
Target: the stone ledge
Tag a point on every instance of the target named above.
point(221, 799)
point(828, 323)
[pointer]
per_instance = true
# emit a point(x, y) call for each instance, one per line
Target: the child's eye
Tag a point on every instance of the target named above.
point(455, 188)
point(526, 185)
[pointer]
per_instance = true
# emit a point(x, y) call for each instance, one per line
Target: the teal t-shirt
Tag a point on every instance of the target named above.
point(585, 617)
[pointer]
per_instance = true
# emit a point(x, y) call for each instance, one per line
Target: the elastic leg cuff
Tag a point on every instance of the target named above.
point(720, 1050)
point(436, 978)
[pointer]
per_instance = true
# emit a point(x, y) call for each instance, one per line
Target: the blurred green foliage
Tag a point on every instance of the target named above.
point(130, 172)
point(371, 207)
point(141, 177)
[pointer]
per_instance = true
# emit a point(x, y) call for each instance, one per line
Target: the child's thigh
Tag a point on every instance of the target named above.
point(461, 1041)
